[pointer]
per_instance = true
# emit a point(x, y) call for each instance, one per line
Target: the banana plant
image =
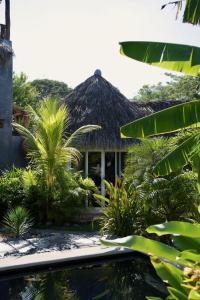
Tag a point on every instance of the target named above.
point(175, 57)
point(173, 119)
point(177, 265)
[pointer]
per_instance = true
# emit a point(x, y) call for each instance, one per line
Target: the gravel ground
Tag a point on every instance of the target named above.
point(41, 241)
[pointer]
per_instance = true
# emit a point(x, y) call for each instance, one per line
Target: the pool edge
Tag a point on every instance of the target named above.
point(47, 259)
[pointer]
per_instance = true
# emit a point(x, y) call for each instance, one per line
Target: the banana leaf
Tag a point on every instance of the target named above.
point(176, 294)
point(168, 120)
point(192, 12)
point(184, 243)
point(177, 158)
point(174, 57)
point(174, 228)
point(168, 273)
point(145, 245)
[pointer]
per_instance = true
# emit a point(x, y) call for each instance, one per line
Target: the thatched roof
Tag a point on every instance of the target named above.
point(96, 101)
point(154, 106)
point(5, 50)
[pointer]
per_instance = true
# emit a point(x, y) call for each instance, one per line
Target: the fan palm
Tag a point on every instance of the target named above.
point(49, 149)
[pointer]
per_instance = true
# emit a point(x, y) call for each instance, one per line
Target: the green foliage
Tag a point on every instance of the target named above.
point(17, 221)
point(191, 13)
point(24, 93)
point(51, 88)
point(174, 57)
point(182, 58)
point(164, 198)
point(173, 119)
point(142, 158)
point(172, 198)
point(182, 88)
point(180, 269)
point(11, 190)
point(119, 210)
point(49, 150)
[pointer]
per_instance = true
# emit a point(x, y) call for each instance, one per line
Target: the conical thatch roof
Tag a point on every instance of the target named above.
point(96, 101)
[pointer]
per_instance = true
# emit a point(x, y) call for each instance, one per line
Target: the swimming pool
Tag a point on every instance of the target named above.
point(120, 279)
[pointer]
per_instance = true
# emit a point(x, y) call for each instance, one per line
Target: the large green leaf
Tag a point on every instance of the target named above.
point(176, 227)
point(168, 273)
point(144, 245)
point(177, 158)
point(171, 119)
point(190, 257)
point(175, 57)
point(176, 294)
point(184, 243)
point(192, 12)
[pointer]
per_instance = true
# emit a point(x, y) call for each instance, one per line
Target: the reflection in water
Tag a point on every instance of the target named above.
point(127, 279)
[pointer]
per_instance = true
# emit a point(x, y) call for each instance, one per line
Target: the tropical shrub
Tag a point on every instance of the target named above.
point(142, 158)
point(120, 212)
point(178, 265)
point(172, 197)
point(49, 150)
point(17, 221)
point(68, 198)
point(11, 190)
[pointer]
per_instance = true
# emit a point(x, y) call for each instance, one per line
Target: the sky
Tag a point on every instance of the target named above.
point(67, 40)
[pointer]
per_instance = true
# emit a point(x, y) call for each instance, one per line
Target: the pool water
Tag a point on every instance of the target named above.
point(120, 279)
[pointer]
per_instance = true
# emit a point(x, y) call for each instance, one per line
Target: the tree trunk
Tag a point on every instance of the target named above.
point(7, 18)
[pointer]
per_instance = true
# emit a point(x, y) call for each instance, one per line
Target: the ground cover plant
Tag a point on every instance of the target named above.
point(17, 222)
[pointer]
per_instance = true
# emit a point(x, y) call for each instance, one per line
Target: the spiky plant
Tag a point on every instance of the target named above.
point(17, 221)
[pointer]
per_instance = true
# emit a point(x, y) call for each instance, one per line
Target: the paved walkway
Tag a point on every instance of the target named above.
point(47, 241)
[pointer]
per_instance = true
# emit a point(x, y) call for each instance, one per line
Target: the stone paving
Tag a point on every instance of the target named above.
point(42, 241)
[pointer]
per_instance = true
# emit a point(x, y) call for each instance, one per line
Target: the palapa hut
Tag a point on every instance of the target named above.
point(96, 101)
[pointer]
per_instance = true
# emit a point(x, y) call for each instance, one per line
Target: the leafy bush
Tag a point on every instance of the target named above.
point(142, 158)
point(173, 197)
point(119, 210)
point(17, 221)
point(68, 196)
point(11, 190)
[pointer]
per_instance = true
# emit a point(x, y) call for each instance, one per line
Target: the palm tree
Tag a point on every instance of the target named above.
point(49, 149)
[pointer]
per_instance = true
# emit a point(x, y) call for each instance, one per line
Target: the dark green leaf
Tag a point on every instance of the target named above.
point(167, 120)
point(175, 57)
